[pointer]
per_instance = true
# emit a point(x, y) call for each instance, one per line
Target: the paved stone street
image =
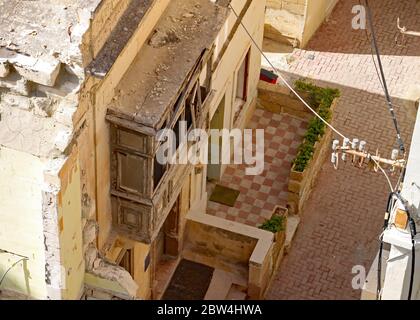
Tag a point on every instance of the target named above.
point(342, 220)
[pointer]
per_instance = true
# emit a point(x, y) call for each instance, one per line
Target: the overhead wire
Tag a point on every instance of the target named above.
point(278, 72)
point(385, 174)
point(10, 268)
point(385, 86)
point(382, 78)
point(370, 41)
point(411, 222)
point(283, 79)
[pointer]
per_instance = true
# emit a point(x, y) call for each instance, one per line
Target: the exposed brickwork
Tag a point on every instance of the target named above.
point(260, 194)
point(342, 220)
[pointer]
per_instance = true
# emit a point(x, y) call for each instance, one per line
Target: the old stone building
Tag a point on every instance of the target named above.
point(87, 211)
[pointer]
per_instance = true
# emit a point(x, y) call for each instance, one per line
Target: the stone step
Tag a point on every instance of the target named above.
point(293, 222)
point(221, 286)
point(236, 294)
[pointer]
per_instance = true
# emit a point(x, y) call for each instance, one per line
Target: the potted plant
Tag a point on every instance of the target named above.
point(277, 224)
point(323, 100)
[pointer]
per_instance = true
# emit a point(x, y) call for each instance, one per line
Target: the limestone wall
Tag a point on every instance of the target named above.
point(279, 99)
point(316, 13)
point(285, 20)
point(302, 183)
point(47, 145)
point(236, 248)
point(296, 21)
point(105, 18)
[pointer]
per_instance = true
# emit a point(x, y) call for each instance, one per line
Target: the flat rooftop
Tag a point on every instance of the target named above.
point(119, 37)
point(152, 84)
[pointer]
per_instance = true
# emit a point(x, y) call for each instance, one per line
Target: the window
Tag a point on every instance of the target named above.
point(132, 173)
point(241, 91)
point(242, 79)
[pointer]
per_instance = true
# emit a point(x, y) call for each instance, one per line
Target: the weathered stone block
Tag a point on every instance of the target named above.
point(295, 175)
point(4, 69)
point(295, 186)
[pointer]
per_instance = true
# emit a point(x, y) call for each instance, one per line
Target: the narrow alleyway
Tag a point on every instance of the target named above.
point(342, 220)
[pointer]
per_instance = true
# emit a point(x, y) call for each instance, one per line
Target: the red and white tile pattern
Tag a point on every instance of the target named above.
point(260, 194)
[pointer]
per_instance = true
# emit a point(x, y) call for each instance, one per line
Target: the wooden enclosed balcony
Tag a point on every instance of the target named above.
point(169, 82)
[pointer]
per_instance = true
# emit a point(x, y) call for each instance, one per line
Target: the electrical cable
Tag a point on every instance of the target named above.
point(369, 40)
point(373, 54)
point(381, 248)
point(387, 95)
point(391, 109)
point(412, 223)
point(13, 265)
point(283, 79)
point(413, 234)
point(384, 172)
point(294, 91)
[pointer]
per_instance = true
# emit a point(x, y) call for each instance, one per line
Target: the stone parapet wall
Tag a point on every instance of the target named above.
point(293, 6)
point(246, 251)
point(302, 183)
point(278, 99)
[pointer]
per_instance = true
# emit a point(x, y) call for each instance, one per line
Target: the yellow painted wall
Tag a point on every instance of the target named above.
point(21, 228)
point(316, 12)
point(285, 20)
point(224, 77)
point(141, 276)
point(70, 226)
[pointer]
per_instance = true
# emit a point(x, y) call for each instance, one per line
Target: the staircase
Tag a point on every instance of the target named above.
point(227, 286)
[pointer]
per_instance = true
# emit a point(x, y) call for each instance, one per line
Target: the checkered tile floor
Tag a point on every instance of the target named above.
point(260, 194)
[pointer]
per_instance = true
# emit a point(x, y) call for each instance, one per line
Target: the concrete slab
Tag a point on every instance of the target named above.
point(224, 285)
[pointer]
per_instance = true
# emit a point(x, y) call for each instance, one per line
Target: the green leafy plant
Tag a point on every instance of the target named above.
point(321, 100)
point(274, 225)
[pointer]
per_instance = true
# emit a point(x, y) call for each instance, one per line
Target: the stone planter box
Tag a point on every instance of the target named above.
point(280, 237)
point(278, 99)
point(302, 183)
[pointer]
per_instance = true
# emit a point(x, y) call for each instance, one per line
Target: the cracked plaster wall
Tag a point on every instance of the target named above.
point(46, 141)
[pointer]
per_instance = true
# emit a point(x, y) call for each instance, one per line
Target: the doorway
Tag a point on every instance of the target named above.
point(166, 251)
point(214, 171)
